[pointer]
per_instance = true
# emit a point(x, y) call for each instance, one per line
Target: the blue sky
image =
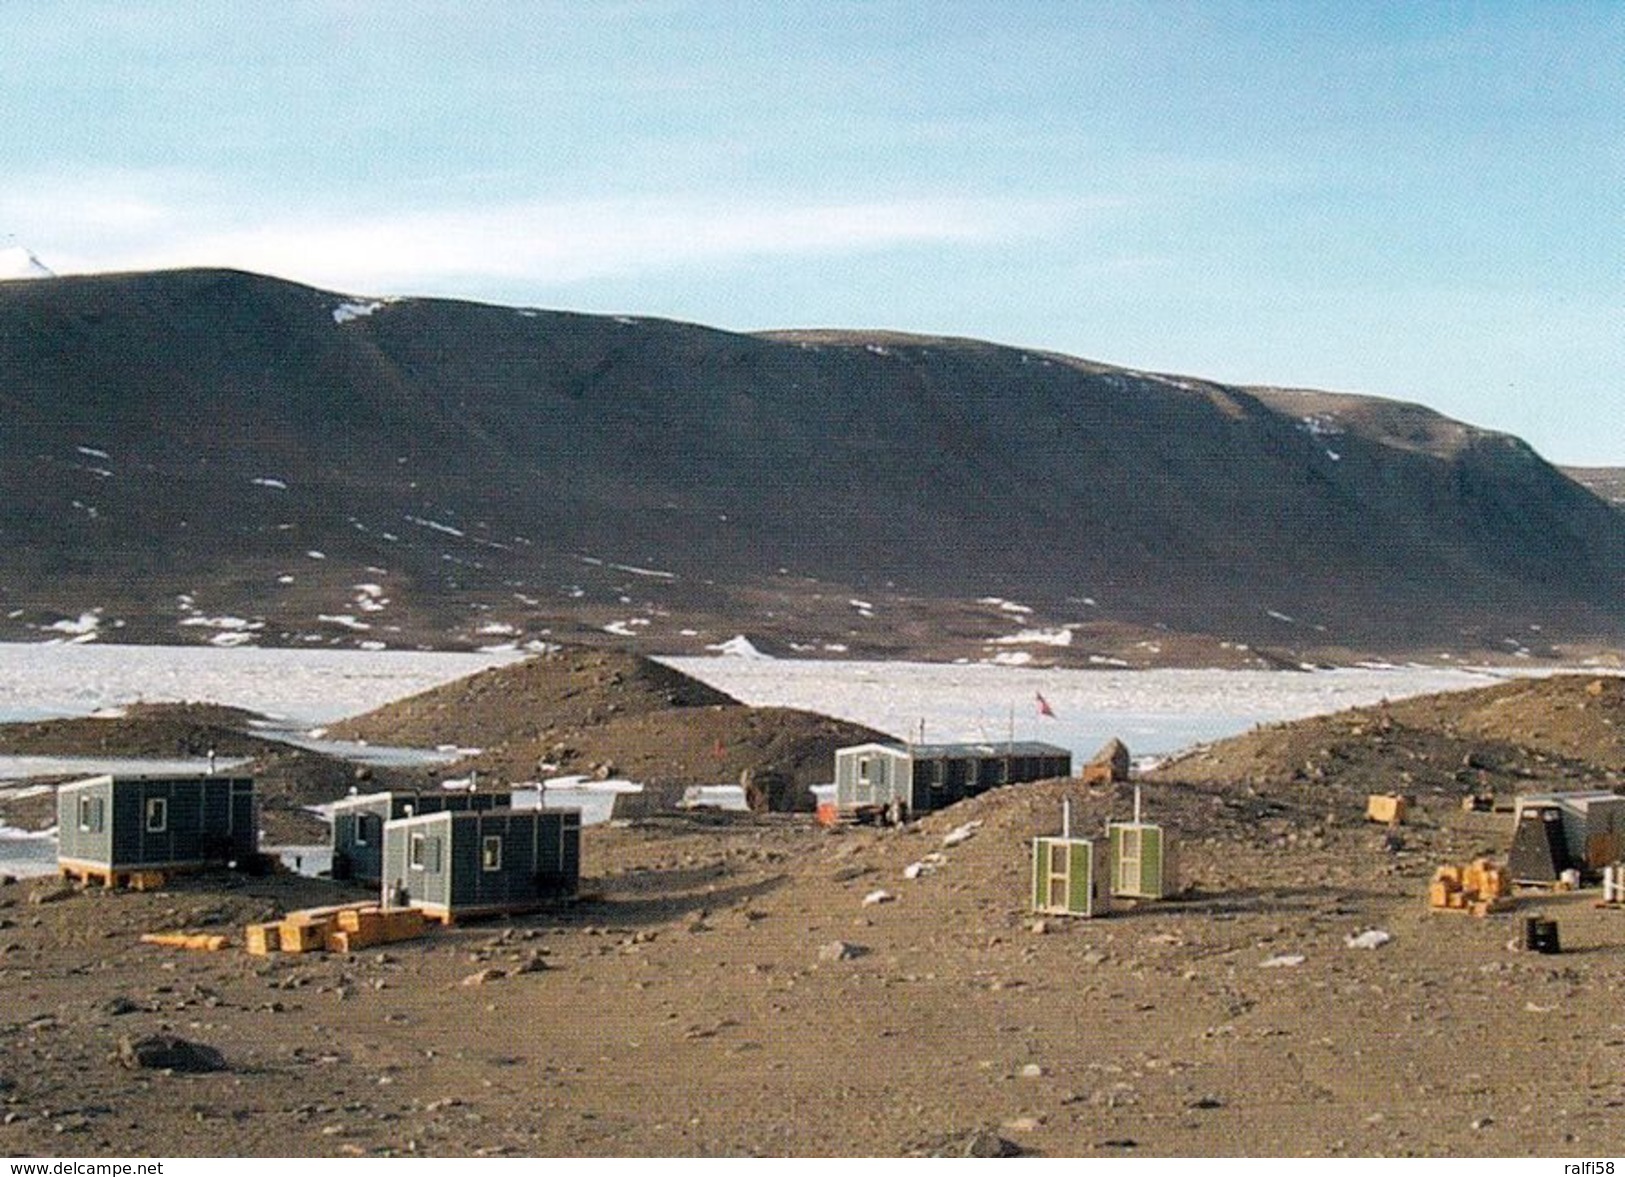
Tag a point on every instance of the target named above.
point(1417, 200)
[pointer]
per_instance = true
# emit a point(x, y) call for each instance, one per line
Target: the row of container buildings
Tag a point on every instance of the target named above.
point(449, 854)
point(465, 853)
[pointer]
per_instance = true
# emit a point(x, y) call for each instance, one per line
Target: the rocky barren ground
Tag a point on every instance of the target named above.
point(728, 985)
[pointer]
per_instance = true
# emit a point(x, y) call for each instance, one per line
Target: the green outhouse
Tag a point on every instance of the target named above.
point(1068, 877)
point(1142, 864)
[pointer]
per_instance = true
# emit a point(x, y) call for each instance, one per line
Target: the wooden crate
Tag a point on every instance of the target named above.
point(1387, 808)
point(262, 939)
point(1488, 880)
point(406, 923)
point(370, 933)
point(351, 919)
point(303, 935)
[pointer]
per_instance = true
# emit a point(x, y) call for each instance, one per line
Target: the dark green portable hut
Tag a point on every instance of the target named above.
point(111, 825)
point(872, 779)
point(358, 824)
point(456, 864)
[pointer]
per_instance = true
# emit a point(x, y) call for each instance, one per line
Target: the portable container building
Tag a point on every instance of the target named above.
point(872, 779)
point(1068, 877)
point(110, 826)
point(358, 824)
point(1593, 825)
point(455, 864)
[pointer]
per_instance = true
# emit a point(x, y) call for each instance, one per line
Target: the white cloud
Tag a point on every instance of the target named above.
point(146, 222)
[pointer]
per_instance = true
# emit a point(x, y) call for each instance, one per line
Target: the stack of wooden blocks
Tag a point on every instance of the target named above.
point(1478, 888)
point(1387, 808)
point(341, 929)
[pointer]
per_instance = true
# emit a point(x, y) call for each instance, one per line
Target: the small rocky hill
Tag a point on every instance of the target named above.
point(561, 690)
point(1571, 716)
point(601, 711)
point(288, 780)
point(1559, 732)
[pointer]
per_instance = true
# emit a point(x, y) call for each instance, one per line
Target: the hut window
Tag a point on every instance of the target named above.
point(491, 853)
point(157, 814)
point(86, 814)
point(863, 770)
point(424, 853)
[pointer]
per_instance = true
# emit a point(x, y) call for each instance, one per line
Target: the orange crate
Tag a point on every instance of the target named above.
point(262, 939)
point(406, 923)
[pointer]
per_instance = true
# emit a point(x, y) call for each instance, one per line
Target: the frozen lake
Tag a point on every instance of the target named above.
point(1155, 712)
point(302, 688)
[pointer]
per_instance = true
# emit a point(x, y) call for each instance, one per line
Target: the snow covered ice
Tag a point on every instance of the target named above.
point(302, 687)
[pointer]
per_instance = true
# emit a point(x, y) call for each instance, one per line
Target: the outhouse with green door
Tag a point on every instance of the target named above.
point(1068, 877)
point(1142, 864)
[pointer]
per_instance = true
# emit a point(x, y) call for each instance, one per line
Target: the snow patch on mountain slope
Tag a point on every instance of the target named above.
point(17, 262)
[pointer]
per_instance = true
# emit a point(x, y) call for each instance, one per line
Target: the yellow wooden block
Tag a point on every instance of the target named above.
point(1385, 807)
point(369, 922)
point(262, 939)
point(196, 941)
point(298, 936)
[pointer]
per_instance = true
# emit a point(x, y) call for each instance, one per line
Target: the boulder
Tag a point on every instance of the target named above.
point(657, 797)
point(768, 790)
point(840, 950)
point(52, 893)
point(165, 1052)
point(982, 1144)
point(1109, 765)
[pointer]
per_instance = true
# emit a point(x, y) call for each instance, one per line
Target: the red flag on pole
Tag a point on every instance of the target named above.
point(1043, 706)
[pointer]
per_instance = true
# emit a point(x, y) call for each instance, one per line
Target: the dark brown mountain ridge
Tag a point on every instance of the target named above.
point(212, 455)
